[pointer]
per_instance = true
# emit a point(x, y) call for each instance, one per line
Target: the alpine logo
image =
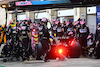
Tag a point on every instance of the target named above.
point(23, 3)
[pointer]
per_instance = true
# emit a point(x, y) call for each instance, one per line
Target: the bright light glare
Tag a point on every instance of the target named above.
point(72, 43)
point(3, 6)
point(34, 30)
point(60, 51)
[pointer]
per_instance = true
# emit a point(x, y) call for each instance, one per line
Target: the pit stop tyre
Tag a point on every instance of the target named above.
point(4, 60)
point(38, 51)
point(75, 50)
point(51, 54)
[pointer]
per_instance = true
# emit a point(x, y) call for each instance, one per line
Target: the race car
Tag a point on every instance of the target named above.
point(65, 46)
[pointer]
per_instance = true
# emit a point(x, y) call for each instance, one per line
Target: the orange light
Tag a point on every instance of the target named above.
point(60, 51)
point(10, 11)
point(20, 10)
point(3, 6)
point(9, 5)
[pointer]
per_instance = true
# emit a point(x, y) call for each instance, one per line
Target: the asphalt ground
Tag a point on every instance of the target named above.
point(72, 62)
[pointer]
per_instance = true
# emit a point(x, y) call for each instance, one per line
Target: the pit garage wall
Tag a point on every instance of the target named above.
point(3, 16)
point(91, 22)
point(49, 14)
point(40, 15)
point(66, 18)
point(22, 16)
point(91, 19)
point(65, 15)
point(74, 14)
point(79, 13)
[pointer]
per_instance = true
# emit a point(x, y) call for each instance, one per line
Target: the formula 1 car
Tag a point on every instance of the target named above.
point(65, 46)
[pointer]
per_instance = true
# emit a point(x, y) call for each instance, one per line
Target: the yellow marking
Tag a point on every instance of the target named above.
point(36, 35)
point(36, 39)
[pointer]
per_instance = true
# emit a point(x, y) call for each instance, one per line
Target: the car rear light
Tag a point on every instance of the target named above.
point(60, 51)
point(72, 43)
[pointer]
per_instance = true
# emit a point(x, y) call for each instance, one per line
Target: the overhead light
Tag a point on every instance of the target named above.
point(10, 11)
point(9, 5)
point(3, 6)
point(20, 10)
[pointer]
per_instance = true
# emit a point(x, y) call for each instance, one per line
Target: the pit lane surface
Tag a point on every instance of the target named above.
point(72, 62)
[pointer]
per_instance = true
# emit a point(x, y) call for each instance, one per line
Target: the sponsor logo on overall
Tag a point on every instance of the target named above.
point(67, 37)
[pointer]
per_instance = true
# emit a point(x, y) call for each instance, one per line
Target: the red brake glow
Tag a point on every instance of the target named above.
point(60, 51)
point(34, 30)
point(72, 43)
